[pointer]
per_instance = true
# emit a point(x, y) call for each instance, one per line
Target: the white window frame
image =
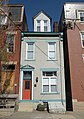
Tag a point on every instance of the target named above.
point(83, 57)
point(78, 15)
point(11, 33)
point(82, 40)
point(46, 25)
point(49, 80)
point(49, 58)
point(33, 51)
point(38, 25)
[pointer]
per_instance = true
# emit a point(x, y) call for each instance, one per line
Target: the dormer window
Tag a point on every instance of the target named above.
point(38, 25)
point(42, 22)
point(45, 25)
point(3, 19)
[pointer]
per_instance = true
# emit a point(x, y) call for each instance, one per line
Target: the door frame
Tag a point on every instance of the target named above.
point(21, 84)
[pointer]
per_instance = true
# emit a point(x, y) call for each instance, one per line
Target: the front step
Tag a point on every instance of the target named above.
point(26, 106)
point(56, 107)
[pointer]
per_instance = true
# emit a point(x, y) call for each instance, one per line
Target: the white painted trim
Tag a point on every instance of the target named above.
point(81, 38)
point(33, 50)
point(55, 51)
point(21, 84)
point(32, 83)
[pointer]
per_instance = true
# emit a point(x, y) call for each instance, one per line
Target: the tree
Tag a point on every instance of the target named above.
point(4, 56)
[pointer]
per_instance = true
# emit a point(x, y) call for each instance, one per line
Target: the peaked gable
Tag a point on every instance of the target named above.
point(42, 13)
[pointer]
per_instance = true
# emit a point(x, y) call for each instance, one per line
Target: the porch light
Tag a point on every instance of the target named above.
point(36, 79)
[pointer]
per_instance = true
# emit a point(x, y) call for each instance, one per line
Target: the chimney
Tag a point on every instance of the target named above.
point(55, 27)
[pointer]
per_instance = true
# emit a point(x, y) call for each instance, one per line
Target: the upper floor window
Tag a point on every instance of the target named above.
point(3, 19)
point(52, 51)
point(38, 25)
point(10, 42)
point(82, 16)
point(30, 51)
point(82, 39)
point(45, 25)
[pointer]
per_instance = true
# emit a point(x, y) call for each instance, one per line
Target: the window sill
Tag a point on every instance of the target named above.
point(29, 60)
point(52, 60)
point(49, 93)
point(82, 22)
point(11, 52)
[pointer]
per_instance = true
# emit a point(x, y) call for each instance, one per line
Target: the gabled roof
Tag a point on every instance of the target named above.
point(40, 13)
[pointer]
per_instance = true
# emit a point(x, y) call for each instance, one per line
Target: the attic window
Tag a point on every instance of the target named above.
point(45, 25)
point(38, 25)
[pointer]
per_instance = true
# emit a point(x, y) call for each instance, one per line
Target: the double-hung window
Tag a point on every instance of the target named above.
point(49, 82)
point(82, 39)
point(45, 26)
point(10, 39)
point(52, 51)
point(38, 26)
point(82, 16)
point(30, 51)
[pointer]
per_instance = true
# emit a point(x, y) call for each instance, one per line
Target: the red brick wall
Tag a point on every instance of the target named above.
point(76, 62)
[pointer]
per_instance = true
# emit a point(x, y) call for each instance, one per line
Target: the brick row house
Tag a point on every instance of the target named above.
point(13, 20)
point(72, 25)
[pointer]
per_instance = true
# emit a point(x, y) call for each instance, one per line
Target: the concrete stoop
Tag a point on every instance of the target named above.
point(25, 107)
point(56, 107)
point(78, 105)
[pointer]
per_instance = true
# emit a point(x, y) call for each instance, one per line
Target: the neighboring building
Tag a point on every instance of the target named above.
point(72, 25)
point(42, 67)
point(13, 23)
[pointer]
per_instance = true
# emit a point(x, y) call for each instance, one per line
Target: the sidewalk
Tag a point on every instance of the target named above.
point(10, 114)
point(46, 115)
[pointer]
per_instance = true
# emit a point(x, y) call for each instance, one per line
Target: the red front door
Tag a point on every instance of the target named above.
point(27, 89)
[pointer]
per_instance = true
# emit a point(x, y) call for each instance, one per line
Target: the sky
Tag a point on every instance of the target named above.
point(52, 7)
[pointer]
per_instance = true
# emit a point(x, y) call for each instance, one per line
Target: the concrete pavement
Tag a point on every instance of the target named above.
point(10, 114)
point(46, 115)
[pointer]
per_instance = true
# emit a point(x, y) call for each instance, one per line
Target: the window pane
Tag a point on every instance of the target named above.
point(30, 46)
point(30, 51)
point(38, 28)
point(27, 75)
point(52, 55)
point(45, 28)
point(45, 81)
point(51, 46)
point(10, 42)
point(27, 85)
point(82, 16)
point(30, 55)
point(53, 81)
point(53, 88)
point(38, 22)
point(45, 22)
point(82, 39)
point(45, 88)
point(50, 73)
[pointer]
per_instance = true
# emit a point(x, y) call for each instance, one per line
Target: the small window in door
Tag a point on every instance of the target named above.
point(27, 85)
